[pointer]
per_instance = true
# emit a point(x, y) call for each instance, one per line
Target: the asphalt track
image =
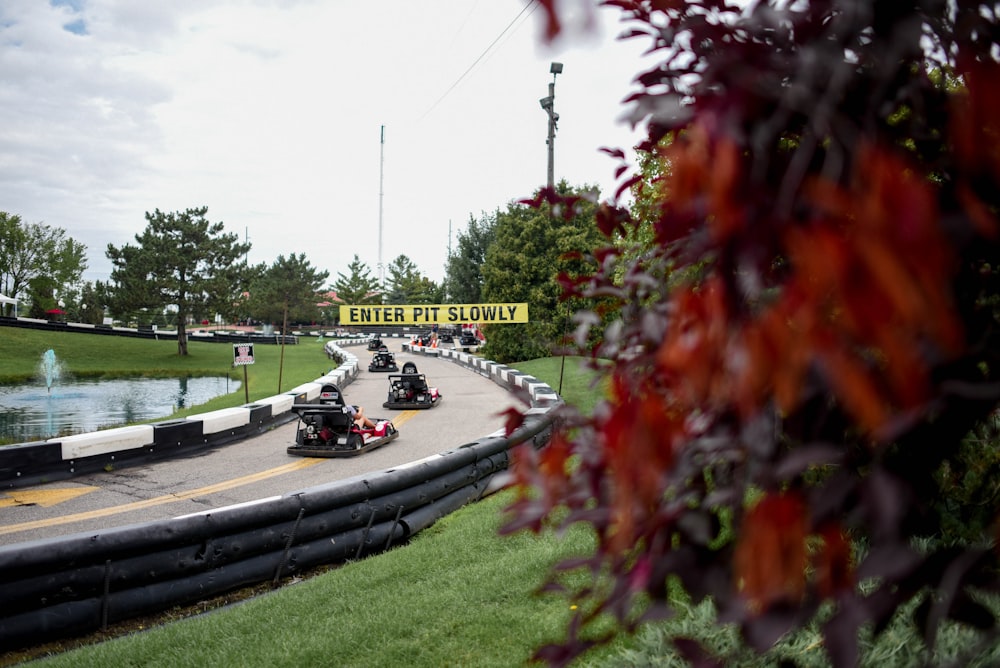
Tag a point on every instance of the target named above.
point(259, 467)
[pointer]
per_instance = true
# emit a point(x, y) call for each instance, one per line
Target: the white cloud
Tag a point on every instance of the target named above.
point(269, 113)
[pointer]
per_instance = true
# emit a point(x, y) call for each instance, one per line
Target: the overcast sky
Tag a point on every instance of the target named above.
point(270, 114)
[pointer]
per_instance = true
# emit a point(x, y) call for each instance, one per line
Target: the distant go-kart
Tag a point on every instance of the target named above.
point(409, 391)
point(468, 339)
point(327, 429)
point(374, 342)
point(383, 360)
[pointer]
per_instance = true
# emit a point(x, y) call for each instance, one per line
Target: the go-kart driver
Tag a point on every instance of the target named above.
point(360, 419)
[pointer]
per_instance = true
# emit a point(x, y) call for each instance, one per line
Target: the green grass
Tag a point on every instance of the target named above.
point(898, 646)
point(101, 356)
point(577, 386)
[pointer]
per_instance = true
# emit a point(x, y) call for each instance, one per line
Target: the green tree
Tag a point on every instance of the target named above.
point(180, 260)
point(129, 292)
point(286, 291)
point(42, 297)
point(87, 304)
point(39, 253)
point(406, 285)
point(533, 247)
point(239, 309)
point(464, 268)
point(358, 286)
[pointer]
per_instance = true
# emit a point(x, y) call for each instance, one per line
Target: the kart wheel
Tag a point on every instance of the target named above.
point(354, 441)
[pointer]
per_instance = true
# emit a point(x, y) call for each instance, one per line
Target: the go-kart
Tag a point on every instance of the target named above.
point(327, 429)
point(467, 338)
point(409, 390)
point(383, 360)
point(374, 342)
point(446, 336)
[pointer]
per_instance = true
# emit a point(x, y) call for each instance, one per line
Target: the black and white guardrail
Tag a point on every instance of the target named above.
point(61, 587)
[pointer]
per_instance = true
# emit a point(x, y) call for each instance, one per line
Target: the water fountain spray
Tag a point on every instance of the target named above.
point(50, 368)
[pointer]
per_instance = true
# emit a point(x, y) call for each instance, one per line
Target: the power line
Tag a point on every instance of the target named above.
point(533, 5)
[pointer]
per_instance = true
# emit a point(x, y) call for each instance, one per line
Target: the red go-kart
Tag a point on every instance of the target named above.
point(327, 429)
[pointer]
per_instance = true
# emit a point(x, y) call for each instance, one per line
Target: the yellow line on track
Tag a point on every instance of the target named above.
point(160, 500)
point(183, 496)
point(401, 417)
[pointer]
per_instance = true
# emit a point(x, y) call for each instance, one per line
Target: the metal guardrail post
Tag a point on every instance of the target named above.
point(288, 546)
point(105, 601)
point(395, 523)
point(364, 536)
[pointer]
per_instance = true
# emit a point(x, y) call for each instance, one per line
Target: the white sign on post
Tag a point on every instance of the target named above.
point(242, 354)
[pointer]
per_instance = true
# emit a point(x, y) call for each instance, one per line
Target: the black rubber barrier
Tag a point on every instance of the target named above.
point(27, 458)
point(58, 588)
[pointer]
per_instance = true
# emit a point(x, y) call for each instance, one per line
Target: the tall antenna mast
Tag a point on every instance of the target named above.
point(381, 170)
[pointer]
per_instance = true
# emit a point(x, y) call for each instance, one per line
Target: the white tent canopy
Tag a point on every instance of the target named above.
point(4, 299)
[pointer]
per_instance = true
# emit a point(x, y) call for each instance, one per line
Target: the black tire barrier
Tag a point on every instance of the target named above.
point(59, 588)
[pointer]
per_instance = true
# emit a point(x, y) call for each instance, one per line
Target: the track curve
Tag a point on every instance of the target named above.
point(259, 467)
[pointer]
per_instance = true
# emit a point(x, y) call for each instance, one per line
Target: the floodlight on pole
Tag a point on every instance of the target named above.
point(548, 103)
point(381, 172)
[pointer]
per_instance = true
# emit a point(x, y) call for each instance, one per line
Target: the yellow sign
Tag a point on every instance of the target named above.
point(429, 314)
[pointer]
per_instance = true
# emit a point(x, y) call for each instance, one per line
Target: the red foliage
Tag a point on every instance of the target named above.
point(638, 435)
point(812, 323)
point(834, 573)
point(693, 355)
point(512, 420)
point(770, 559)
point(869, 277)
point(975, 133)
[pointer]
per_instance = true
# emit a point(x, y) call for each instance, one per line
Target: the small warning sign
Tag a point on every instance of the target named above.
point(242, 354)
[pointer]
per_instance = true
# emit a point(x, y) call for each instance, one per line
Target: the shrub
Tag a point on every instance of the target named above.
point(828, 195)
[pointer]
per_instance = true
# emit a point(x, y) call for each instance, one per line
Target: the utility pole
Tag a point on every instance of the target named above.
point(549, 105)
point(381, 170)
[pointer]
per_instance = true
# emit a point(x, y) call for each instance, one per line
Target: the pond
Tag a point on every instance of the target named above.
point(31, 413)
